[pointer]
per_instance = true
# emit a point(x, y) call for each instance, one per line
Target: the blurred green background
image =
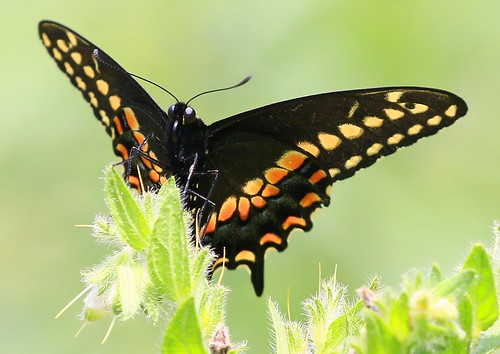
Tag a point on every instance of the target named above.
point(427, 203)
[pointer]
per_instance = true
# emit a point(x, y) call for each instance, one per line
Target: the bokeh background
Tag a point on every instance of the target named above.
point(427, 203)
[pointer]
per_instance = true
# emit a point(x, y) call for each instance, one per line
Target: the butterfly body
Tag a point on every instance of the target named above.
point(262, 172)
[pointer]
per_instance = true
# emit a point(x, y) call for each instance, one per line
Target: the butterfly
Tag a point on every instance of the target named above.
point(254, 177)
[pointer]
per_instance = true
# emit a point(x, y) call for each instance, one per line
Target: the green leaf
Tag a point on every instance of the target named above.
point(379, 338)
point(456, 284)
point(399, 319)
point(128, 217)
point(465, 317)
point(436, 276)
point(183, 333)
point(168, 258)
point(489, 340)
point(281, 344)
point(482, 290)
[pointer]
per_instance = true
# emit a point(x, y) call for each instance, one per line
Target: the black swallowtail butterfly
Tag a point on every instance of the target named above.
point(264, 171)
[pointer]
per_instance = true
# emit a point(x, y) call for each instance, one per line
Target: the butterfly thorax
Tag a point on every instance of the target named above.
point(188, 136)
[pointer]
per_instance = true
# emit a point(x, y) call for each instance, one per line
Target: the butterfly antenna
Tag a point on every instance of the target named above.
point(242, 82)
point(96, 55)
point(155, 84)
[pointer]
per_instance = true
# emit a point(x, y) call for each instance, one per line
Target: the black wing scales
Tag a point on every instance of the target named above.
point(276, 163)
point(127, 111)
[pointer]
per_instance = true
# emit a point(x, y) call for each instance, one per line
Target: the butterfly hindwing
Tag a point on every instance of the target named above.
point(277, 162)
point(128, 113)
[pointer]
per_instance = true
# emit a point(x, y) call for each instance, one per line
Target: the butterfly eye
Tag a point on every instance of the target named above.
point(189, 115)
point(171, 112)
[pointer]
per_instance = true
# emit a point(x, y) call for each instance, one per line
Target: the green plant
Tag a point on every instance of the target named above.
point(157, 271)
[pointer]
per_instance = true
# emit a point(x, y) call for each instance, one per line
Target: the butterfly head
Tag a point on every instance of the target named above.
point(182, 113)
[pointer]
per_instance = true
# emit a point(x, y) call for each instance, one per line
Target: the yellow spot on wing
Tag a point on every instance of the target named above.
point(373, 122)
point(395, 139)
point(104, 117)
point(115, 102)
point(417, 108)
point(77, 58)
point(394, 96)
point(414, 130)
point(291, 160)
point(93, 99)
point(245, 256)
point(333, 172)
point(89, 71)
point(72, 38)
point(46, 40)
point(57, 54)
point(270, 238)
point(309, 147)
point(394, 114)
point(451, 111)
point(69, 68)
point(374, 149)
point(353, 161)
point(329, 141)
point(102, 86)
point(351, 131)
point(62, 45)
point(253, 186)
point(434, 120)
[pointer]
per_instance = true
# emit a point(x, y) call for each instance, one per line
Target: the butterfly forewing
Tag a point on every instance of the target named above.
point(261, 173)
point(126, 110)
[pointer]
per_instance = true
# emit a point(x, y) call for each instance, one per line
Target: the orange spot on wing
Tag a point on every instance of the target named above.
point(227, 209)
point(309, 199)
point(291, 160)
point(244, 208)
point(131, 118)
point(274, 175)
point(118, 125)
point(147, 163)
point(122, 150)
point(134, 182)
point(211, 224)
point(258, 201)
point(270, 191)
point(139, 137)
point(154, 176)
point(293, 221)
point(270, 238)
point(317, 176)
point(219, 262)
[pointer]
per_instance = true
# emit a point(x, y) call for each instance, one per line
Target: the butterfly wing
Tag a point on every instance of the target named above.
point(276, 163)
point(128, 113)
